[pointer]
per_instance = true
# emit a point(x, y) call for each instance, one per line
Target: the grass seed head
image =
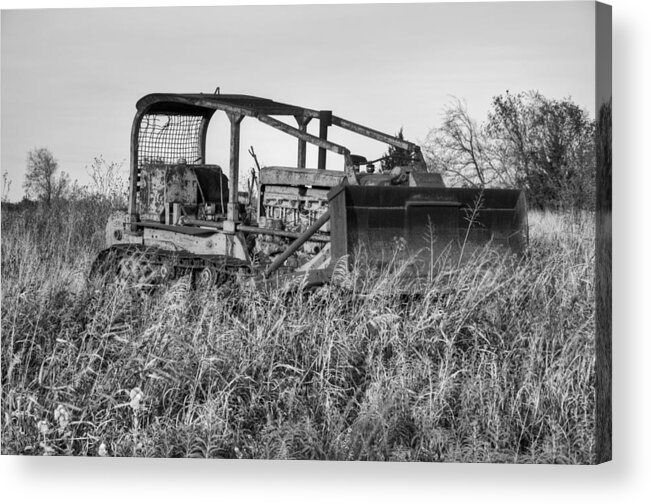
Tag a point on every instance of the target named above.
point(43, 427)
point(136, 396)
point(62, 417)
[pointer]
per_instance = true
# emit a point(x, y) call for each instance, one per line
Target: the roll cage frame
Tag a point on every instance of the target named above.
point(236, 108)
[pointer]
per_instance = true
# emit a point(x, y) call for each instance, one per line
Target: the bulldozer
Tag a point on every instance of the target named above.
point(188, 217)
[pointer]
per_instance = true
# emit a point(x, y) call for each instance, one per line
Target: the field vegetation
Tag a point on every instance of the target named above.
point(492, 361)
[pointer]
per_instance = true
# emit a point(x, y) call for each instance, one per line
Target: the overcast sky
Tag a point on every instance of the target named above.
point(70, 78)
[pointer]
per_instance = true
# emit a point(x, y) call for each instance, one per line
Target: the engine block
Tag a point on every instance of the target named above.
point(292, 209)
point(297, 208)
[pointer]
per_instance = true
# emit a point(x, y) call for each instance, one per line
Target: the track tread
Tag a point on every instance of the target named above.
point(108, 262)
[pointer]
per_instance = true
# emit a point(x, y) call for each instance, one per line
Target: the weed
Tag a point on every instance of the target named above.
point(493, 361)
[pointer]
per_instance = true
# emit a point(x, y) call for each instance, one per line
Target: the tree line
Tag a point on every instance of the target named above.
point(46, 183)
point(544, 146)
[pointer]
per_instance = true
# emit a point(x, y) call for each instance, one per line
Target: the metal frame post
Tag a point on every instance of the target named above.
point(325, 120)
point(302, 121)
point(232, 213)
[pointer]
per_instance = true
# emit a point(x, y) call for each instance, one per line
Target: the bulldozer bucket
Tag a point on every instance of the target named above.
point(426, 225)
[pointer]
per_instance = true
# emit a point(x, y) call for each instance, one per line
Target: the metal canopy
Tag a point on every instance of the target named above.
point(205, 104)
point(261, 108)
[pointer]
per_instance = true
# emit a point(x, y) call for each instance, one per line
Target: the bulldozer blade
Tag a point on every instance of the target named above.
point(425, 225)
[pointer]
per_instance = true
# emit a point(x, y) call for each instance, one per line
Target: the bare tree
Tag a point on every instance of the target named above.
point(542, 145)
point(108, 180)
point(41, 181)
point(461, 149)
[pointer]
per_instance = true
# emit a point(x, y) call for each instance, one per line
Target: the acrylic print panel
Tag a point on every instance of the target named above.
point(340, 232)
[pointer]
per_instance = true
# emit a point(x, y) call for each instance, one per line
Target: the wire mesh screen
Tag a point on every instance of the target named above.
point(169, 139)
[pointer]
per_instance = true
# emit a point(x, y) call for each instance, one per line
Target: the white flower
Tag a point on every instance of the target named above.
point(102, 451)
point(43, 427)
point(136, 396)
point(62, 416)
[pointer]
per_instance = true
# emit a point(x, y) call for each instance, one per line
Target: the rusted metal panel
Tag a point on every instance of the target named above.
point(426, 180)
point(338, 224)
point(213, 185)
point(214, 244)
point(280, 175)
point(161, 185)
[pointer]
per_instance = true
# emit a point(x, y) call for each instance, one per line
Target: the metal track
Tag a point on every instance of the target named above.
point(144, 265)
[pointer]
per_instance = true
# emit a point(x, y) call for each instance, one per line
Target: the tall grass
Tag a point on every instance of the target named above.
point(492, 362)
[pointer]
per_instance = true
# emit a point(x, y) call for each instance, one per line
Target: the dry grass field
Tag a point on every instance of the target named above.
point(492, 361)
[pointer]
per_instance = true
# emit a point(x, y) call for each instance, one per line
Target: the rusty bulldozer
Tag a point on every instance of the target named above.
point(187, 217)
